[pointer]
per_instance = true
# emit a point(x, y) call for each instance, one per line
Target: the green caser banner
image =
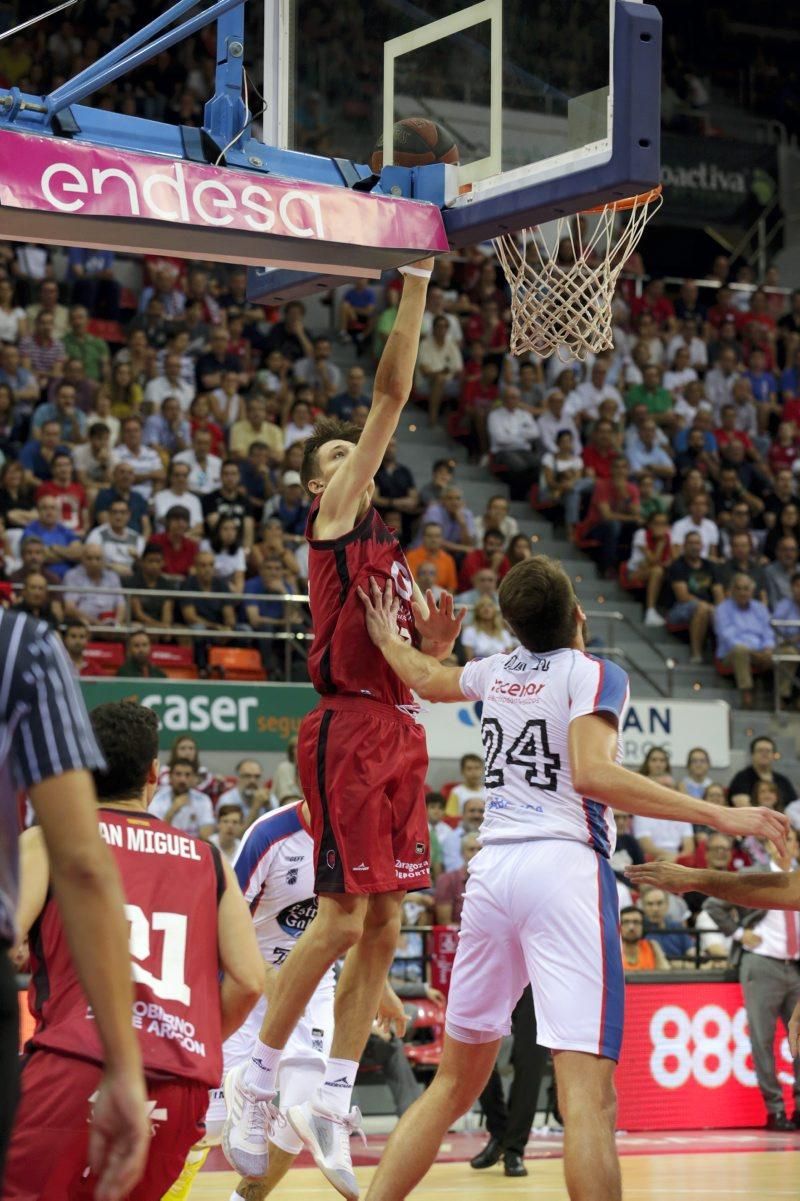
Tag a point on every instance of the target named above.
point(221, 715)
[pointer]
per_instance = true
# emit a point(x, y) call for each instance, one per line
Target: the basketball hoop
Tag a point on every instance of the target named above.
point(562, 285)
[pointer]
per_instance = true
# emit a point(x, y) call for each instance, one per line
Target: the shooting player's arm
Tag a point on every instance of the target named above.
point(392, 387)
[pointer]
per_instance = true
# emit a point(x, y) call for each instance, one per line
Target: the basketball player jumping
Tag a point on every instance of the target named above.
point(187, 920)
point(541, 900)
point(362, 762)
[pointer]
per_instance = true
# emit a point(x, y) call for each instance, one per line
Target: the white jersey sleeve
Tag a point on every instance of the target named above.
point(597, 686)
point(477, 675)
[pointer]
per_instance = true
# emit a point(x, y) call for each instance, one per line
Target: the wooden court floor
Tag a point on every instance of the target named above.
point(756, 1176)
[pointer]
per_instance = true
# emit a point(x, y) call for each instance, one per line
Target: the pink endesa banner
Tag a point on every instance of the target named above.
point(47, 174)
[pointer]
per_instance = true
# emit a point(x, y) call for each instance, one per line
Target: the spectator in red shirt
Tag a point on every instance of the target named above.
point(478, 398)
point(200, 419)
point(449, 892)
point(491, 554)
point(654, 302)
point(179, 551)
point(601, 452)
point(487, 327)
point(473, 364)
point(758, 313)
point(69, 494)
point(784, 450)
point(728, 433)
point(724, 309)
point(614, 514)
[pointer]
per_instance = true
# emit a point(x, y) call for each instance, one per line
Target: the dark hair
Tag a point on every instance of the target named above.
point(127, 735)
point(644, 770)
point(327, 430)
point(538, 602)
point(513, 542)
point(181, 761)
point(631, 909)
point(467, 757)
point(97, 427)
point(439, 463)
point(152, 548)
point(493, 532)
point(224, 810)
point(761, 738)
point(435, 798)
point(216, 541)
point(177, 511)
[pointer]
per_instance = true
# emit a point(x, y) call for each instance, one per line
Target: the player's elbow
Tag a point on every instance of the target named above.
point(588, 778)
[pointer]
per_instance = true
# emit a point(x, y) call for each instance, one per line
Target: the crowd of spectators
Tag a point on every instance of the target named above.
point(158, 449)
point(655, 930)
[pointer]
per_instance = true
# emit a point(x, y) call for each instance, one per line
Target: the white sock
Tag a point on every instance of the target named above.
point(262, 1070)
point(336, 1091)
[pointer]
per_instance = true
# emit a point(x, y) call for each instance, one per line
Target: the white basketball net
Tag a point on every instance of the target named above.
point(563, 283)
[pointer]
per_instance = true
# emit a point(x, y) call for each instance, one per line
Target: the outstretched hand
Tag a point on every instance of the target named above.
point(440, 625)
point(670, 877)
point(763, 823)
point(381, 612)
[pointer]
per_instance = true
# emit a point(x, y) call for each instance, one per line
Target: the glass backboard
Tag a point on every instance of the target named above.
point(533, 92)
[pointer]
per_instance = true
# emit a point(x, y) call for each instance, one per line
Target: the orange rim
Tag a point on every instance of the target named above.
point(628, 202)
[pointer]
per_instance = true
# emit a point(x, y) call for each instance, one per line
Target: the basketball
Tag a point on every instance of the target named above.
point(417, 142)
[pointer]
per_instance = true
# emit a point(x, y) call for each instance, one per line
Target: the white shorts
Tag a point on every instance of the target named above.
point(543, 911)
point(301, 1069)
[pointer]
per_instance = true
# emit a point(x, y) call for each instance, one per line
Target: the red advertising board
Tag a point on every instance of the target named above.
point(442, 951)
point(686, 1061)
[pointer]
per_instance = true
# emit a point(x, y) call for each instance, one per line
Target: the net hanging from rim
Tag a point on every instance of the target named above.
point(562, 284)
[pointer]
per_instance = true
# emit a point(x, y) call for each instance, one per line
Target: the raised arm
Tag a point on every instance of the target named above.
point(595, 773)
point(393, 380)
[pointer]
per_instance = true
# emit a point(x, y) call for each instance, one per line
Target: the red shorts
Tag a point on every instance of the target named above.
point(362, 767)
point(47, 1159)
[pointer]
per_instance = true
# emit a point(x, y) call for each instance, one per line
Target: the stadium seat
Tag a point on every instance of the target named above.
point(163, 654)
point(236, 663)
point(104, 657)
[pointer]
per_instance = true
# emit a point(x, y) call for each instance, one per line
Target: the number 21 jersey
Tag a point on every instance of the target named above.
point(529, 701)
point(172, 884)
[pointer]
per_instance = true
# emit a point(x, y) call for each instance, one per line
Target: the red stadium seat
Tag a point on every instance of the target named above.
point(236, 663)
point(162, 654)
point(104, 658)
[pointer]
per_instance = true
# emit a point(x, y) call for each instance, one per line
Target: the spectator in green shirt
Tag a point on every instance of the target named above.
point(137, 663)
point(657, 400)
point(80, 344)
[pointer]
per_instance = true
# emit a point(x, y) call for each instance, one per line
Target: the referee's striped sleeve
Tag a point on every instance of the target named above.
point(42, 704)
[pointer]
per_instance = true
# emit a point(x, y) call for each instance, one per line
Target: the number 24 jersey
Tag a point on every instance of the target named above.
point(529, 701)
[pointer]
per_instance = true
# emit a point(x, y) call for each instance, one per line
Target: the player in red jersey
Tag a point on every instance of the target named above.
point(187, 916)
point(362, 762)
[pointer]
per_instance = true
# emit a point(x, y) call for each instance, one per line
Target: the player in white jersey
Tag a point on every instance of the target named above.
point(275, 870)
point(541, 901)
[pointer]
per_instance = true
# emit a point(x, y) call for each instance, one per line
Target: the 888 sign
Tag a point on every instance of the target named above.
point(686, 1060)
